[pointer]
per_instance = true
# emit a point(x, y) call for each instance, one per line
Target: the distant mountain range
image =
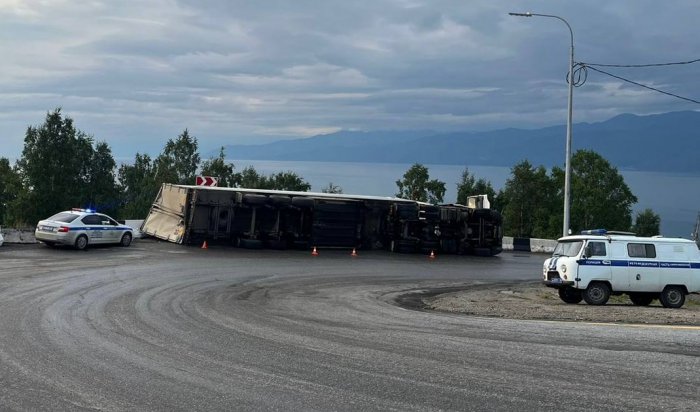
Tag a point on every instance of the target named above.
point(668, 142)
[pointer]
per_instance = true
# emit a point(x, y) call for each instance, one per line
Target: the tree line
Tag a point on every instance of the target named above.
point(531, 202)
point(62, 166)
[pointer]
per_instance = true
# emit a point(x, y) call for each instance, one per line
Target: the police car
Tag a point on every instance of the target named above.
point(597, 263)
point(82, 227)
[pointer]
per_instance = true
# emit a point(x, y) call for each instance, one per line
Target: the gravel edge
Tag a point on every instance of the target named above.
point(533, 301)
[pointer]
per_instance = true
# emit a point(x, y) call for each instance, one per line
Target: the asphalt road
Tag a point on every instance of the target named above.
point(163, 327)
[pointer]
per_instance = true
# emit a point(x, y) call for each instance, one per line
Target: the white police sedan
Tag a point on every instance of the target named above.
point(80, 228)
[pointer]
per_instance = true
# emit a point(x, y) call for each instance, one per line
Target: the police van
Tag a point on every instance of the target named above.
point(597, 263)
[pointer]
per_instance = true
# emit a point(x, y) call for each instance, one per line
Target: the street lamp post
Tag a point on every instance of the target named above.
point(567, 170)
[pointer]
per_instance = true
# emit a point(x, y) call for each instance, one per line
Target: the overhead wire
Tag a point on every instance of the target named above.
point(579, 75)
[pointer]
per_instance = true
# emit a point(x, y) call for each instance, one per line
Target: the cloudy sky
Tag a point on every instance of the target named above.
point(136, 73)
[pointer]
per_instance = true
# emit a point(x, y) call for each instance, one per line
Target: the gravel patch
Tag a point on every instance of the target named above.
point(532, 300)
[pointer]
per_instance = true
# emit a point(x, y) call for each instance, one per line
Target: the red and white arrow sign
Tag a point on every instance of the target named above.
point(206, 181)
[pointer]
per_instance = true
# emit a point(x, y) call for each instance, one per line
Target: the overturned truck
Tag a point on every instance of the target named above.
point(255, 218)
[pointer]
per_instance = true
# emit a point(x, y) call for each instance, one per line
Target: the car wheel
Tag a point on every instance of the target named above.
point(672, 297)
point(641, 299)
point(570, 295)
point(597, 294)
point(126, 239)
point(81, 242)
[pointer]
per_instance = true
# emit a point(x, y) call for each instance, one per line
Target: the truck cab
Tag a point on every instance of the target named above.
point(597, 263)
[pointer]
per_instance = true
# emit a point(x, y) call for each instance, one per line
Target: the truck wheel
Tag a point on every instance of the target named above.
point(672, 297)
point(641, 299)
point(81, 242)
point(303, 202)
point(403, 246)
point(597, 293)
point(250, 243)
point(254, 200)
point(570, 295)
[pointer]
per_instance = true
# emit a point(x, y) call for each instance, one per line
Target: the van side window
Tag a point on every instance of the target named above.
point(643, 250)
point(597, 249)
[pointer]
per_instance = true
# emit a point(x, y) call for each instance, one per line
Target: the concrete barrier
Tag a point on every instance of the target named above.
point(529, 244)
point(18, 235)
point(542, 245)
point(136, 225)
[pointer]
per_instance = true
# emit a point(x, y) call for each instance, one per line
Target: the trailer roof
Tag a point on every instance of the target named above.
point(342, 196)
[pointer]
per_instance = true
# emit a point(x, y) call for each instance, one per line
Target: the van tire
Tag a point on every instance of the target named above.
point(672, 297)
point(597, 293)
point(570, 295)
point(641, 299)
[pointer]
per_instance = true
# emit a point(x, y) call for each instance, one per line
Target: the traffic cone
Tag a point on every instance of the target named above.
point(314, 252)
point(354, 253)
point(204, 245)
point(432, 254)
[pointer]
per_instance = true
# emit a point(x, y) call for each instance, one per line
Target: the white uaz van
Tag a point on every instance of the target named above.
point(597, 263)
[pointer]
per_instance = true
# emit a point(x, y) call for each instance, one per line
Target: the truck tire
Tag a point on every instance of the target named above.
point(403, 246)
point(277, 244)
point(279, 201)
point(672, 297)
point(641, 299)
point(597, 293)
point(304, 202)
point(250, 243)
point(570, 295)
point(407, 211)
point(254, 200)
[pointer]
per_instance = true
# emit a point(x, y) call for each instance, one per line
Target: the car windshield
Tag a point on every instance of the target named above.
point(63, 217)
point(569, 248)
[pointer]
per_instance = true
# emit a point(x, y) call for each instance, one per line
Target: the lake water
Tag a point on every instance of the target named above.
point(675, 197)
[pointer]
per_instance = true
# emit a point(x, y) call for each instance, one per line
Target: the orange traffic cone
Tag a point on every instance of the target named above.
point(204, 245)
point(354, 253)
point(432, 254)
point(314, 252)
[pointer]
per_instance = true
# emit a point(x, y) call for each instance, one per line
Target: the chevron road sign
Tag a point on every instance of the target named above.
point(206, 181)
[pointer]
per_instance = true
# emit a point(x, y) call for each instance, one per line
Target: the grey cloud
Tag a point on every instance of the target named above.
point(137, 73)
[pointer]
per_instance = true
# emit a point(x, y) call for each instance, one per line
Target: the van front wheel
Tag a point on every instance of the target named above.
point(570, 295)
point(672, 297)
point(597, 293)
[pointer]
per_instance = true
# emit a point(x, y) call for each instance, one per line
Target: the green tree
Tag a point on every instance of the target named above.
point(101, 190)
point(469, 185)
point(416, 185)
point(647, 223)
point(600, 198)
point(288, 181)
point(527, 201)
point(179, 161)
point(218, 167)
point(9, 190)
point(138, 186)
point(331, 188)
point(249, 178)
point(53, 168)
